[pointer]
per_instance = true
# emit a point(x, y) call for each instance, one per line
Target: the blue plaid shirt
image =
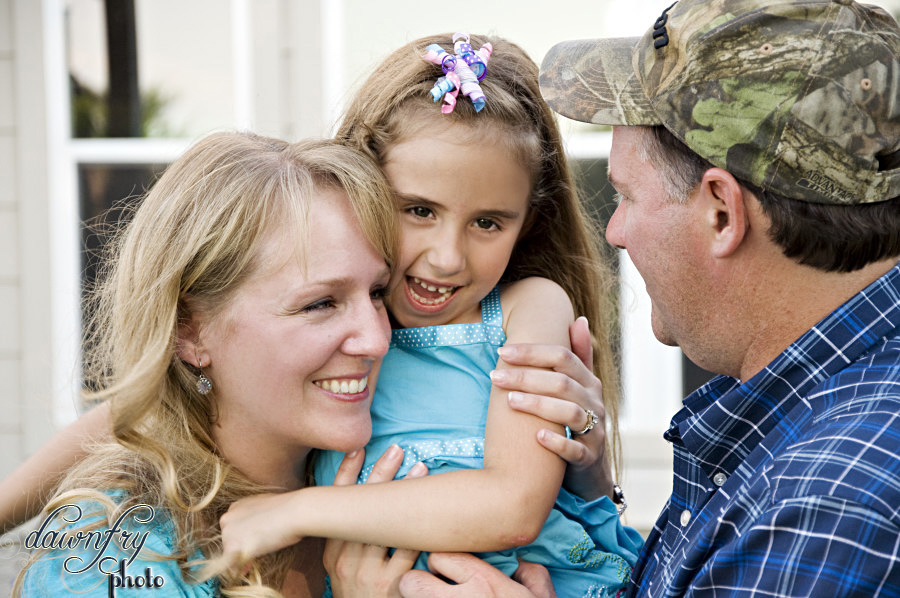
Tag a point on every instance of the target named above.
point(789, 484)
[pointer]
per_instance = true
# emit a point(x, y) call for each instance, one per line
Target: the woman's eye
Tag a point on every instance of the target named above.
point(420, 212)
point(318, 305)
point(486, 224)
point(379, 294)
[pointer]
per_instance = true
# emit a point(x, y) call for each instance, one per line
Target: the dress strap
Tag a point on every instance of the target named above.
point(491, 313)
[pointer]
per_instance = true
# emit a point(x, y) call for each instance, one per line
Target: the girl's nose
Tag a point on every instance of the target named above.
point(448, 254)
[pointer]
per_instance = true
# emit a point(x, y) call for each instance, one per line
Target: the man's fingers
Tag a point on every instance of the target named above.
point(536, 578)
point(422, 584)
point(456, 567)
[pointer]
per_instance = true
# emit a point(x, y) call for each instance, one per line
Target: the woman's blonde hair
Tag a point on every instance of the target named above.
point(193, 240)
point(562, 242)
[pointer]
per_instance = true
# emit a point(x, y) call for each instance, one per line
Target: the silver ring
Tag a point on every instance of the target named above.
point(592, 420)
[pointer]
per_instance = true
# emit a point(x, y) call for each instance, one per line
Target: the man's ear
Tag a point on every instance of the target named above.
point(722, 200)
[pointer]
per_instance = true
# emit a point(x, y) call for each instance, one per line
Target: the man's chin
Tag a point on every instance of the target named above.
point(662, 334)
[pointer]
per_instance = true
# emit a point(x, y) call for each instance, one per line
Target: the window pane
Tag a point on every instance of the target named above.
point(106, 196)
point(170, 61)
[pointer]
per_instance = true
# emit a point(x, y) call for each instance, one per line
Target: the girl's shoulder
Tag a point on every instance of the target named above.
point(534, 290)
point(535, 299)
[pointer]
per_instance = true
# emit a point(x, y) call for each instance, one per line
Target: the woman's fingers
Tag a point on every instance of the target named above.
point(348, 470)
point(387, 465)
point(546, 383)
point(580, 339)
point(560, 411)
point(575, 453)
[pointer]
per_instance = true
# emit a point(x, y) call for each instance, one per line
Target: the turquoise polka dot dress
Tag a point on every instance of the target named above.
point(432, 401)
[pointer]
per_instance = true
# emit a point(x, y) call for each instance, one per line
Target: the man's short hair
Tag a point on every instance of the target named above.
point(834, 238)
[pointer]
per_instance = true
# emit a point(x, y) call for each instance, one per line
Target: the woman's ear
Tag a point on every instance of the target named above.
point(722, 200)
point(187, 344)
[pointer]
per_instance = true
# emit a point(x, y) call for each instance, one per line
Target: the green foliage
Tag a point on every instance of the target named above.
point(90, 113)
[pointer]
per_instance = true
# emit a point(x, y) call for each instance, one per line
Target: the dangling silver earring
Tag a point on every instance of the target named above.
point(204, 385)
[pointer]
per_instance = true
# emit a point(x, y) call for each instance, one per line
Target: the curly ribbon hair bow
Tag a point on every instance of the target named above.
point(461, 72)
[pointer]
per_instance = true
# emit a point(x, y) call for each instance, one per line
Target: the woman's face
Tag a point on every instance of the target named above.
point(295, 353)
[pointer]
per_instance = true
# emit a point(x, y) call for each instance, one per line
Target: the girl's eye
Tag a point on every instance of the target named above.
point(420, 211)
point(486, 224)
point(318, 306)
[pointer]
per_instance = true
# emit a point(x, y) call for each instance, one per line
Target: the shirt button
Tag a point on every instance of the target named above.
point(719, 478)
point(685, 517)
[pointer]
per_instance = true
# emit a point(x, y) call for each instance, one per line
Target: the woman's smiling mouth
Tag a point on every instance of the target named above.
point(344, 386)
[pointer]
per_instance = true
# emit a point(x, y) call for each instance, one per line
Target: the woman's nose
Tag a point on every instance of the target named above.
point(370, 333)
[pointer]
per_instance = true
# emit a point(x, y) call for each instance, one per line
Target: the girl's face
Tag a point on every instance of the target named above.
point(295, 353)
point(463, 203)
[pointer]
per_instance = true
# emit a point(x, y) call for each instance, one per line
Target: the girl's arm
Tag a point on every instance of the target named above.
point(25, 491)
point(559, 393)
point(495, 508)
point(365, 570)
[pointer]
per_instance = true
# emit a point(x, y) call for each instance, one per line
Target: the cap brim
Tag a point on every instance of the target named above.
point(593, 80)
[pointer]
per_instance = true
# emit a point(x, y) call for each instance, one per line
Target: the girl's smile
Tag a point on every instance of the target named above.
point(429, 296)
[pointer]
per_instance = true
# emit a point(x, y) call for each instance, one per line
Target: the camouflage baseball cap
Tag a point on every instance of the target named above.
point(801, 98)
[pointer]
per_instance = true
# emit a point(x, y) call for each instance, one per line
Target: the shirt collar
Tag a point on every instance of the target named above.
point(724, 420)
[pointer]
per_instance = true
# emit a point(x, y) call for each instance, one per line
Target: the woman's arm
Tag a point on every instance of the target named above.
point(498, 507)
point(25, 491)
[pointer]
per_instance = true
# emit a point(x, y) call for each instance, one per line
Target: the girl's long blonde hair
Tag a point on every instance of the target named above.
point(192, 241)
point(562, 242)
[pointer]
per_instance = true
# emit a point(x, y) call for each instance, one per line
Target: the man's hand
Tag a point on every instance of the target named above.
point(475, 578)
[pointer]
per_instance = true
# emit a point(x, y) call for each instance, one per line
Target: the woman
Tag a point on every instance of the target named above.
point(257, 265)
point(244, 294)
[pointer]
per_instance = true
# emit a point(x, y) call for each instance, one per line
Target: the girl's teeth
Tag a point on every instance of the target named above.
point(444, 291)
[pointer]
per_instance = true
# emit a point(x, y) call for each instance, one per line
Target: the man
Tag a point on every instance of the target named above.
point(756, 148)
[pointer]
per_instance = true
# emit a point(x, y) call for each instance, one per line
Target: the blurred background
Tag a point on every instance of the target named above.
point(97, 96)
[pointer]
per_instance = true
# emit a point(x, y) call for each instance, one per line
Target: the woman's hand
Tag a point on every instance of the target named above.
point(363, 569)
point(562, 395)
point(475, 578)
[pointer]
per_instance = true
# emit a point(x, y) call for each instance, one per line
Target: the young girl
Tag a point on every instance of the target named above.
point(495, 248)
